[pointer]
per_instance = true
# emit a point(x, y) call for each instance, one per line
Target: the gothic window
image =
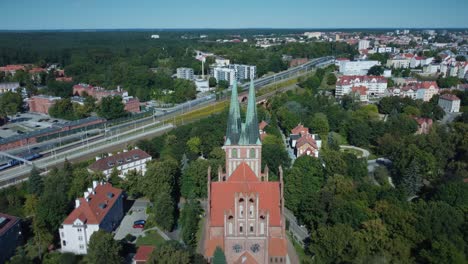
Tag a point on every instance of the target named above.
point(234, 153)
point(237, 248)
point(241, 211)
point(241, 228)
point(230, 228)
point(252, 153)
point(251, 228)
point(251, 210)
point(255, 248)
point(262, 228)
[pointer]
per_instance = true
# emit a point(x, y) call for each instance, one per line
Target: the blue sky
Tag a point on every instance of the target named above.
point(103, 14)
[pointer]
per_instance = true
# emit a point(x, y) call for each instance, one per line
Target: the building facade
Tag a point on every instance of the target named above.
point(244, 72)
point(10, 233)
point(123, 162)
point(245, 210)
point(101, 208)
point(185, 73)
point(42, 103)
point(375, 85)
point(356, 67)
point(224, 74)
point(450, 103)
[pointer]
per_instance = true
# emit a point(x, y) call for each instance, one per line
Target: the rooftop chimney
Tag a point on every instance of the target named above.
point(86, 194)
point(77, 203)
point(95, 184)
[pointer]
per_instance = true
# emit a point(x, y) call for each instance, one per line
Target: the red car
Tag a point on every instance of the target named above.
point(139, 226)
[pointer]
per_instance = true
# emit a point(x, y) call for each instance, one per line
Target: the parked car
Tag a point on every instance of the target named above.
point(139, 226)
point(139, 222)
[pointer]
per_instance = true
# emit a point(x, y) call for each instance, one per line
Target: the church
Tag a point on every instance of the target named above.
point(245, 210)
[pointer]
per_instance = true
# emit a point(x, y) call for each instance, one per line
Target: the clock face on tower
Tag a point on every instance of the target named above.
point(255, 248)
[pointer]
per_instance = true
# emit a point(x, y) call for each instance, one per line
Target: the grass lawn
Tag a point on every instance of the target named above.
point(152, 238)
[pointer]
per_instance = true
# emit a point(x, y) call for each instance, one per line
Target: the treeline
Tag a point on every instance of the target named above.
point(359, 218)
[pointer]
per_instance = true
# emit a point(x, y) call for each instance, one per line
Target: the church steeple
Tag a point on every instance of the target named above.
point(234, 125)
point(250, 134)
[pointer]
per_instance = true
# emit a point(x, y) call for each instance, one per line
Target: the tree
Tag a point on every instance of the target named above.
point(212, 82)
point(111, 107)
point(63, 108)
point(194, 179)
point(164, 211)
point(190, 216)
point(330, 244)
point(223, 84)
point(460, 58)
point(331, 79)
point(171, 252)
point(103, 248)
point(218, 256)
point(319, 124)
point(193, 145)
point(375, 70)
point(10, 103)
point(35, 182)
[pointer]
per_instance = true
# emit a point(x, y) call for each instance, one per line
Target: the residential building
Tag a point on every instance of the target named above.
point(363, 44)
point(185, 73)
point(400, 61)
point(41, 103)
point(202, 85)
point(450, 103)
point(316, 35)
point(10, 233)
point(244, 72)
point(356, 67)
point(303, 142)
point(261, 129)
point(361, 93)
point(9, 87)
point(132, 104)
point(123, 162)
point(424, 90)
point(418, 61)
point(101, 208)
point(12, 69)
point(245, 209)
point(224, 74)
point(222, 62)
point(143, 254)
point(424, 125)
point(376, 85)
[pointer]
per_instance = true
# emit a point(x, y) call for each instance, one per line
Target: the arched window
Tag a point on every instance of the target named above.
point(262, 228)
point(251, 228)
point(234, 153)
point(241, 228)
point(251, 210)
point(252, 153)
point(230, 228)
point(241, 211)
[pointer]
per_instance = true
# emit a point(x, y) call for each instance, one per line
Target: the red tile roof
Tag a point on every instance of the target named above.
point(12, 68)
point(124, 158)
point(90, 211)
point(262, 125)
point(243, 180)
point(306, 139)
point(300, 129)
point(450, 97)
point(143, 253)
point(277, 247)
point(362, 90)
point(422, 120)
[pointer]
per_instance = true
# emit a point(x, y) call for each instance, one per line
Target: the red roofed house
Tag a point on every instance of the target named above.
point(450, 103)
point(100, 208)
point(245, 210)
point(143, 254)
point(306, 145)
point(361, 92)
point(424, 90)
point(376, 85)
point(132, 104)
point(12, 69)
point(424, 125)
point(124, 162)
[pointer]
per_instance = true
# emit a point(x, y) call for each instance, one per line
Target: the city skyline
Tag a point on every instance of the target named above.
point(146, 14)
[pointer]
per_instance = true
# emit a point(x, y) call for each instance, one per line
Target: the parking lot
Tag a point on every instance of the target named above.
point(136, 212)
point(27, 122)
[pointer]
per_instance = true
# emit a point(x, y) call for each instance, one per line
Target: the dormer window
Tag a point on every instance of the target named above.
point(120, 162)
point(136, 157)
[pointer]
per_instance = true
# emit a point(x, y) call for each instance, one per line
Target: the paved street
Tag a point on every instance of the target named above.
point(136, 212)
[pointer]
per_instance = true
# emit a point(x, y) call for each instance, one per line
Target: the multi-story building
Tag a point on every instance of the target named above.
point(224, 74)
point(356, 67)
point(376, 85)
point(9, 87)
point(123, 162)
point(303, 142)
point(450, 103)
point(316, 35)
point(132, 104)
point(41, 103)
point(185, 73)
point(12, 69)
point(361, 93)
point(245, 209)
point(101, 208)
point(244, 72)
point(10, 233)
point(416, 90)
point(363, 44)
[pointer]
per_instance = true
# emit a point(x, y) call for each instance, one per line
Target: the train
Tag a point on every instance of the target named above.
point(11, 163)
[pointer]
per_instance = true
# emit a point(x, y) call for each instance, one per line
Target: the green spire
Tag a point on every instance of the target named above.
point(234, 120)
point(251, 136)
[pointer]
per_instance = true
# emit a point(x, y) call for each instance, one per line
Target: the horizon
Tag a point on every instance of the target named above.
point(274, 14)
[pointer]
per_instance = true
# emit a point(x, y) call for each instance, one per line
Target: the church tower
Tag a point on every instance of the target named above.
point(243, 139)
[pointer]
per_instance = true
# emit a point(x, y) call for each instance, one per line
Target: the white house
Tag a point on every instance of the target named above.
point(124, 162)
point(185, 73)
point(450, 103)
point(100, 208)
point(376, 85)
point(224, 74)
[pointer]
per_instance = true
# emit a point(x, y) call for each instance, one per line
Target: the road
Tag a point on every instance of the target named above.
point(299, 233)
point(118, 134)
